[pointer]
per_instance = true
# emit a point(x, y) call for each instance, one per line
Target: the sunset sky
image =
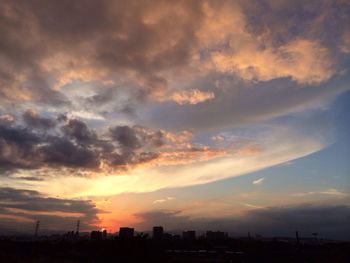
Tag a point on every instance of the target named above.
point(222, 115)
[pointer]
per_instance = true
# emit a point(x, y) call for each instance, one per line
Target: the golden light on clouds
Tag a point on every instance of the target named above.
point(103, 99)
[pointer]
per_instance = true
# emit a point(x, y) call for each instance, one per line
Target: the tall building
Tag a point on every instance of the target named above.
point(126, 232)
point(158, 232)
point(104, 234)
point(189, 235)
point(216, 235)
point(96, 235)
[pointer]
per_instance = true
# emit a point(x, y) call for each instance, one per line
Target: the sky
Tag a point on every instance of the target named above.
point(221, 115)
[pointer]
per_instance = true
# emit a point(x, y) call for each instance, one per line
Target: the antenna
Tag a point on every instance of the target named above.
point(37, 228)
point(297, 236)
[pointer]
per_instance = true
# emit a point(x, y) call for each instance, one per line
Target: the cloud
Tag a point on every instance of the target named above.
point(218, 138)
point(7, 118)
point(259, 181)
point(328, 220)
point(23, 148)
point(78, 131)
point(191, 167)
point(65, 143)
point(32, 119)
point(253, 206)
point(144, 46)
point(24, 207)
point(159, 201)
point(329, 192)
point(193, 96)
point(344, 46)
point(305, 61)
point(242, 104)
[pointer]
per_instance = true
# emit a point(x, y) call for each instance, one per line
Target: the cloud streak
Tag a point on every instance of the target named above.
point(259, 181)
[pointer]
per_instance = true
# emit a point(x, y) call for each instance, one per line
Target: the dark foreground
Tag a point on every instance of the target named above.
point(147, 250)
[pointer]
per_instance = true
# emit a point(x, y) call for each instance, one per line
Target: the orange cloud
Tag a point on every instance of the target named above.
point(218, 138)
point(249, 150)
point(193, 96)
point(305, 61)
point(181, 137)
point(187, 156)
point(7, 118)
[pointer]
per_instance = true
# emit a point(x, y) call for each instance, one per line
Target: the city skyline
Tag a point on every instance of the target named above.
point(203, 115)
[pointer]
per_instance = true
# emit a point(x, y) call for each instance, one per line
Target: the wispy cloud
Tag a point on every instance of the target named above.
point(193, 96)
point(159, 201)
point(259, 181)
point(331, 192)
point(253, 206)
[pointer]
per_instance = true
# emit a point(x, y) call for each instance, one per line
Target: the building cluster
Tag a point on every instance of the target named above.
point(98, 235)
point(158, 233)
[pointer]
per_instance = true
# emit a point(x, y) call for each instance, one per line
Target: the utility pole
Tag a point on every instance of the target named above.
point(37, 228)
point(78, 226)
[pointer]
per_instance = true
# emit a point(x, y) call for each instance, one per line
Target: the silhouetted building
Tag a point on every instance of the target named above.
point(71, 235)
point(126, 232)
point(158, 232)
point(216, 235)
point(104, 234)
point(96, 235)
point(167, 236)
point(189, 235)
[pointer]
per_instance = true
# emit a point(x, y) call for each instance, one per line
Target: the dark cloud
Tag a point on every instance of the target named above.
point(126, 137)
point(22, 148)
point(78, 131)
point(330, 221)
point(33, 120)
point(54, 213)
point(130, 158)
point(137, 136)
point(29, 178)
point(61, 152)
point(17, 145)
point(71, 144)
point(135, 144)
point(103, 96)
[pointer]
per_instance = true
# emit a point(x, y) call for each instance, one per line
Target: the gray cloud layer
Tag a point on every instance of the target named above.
point(20, 208)
point(330, 221)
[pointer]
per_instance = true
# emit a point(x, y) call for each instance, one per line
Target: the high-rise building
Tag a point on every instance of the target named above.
point(126, 232)
point(104, 234)
point(189, 235)
point(158, 232)
point(96, 235)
